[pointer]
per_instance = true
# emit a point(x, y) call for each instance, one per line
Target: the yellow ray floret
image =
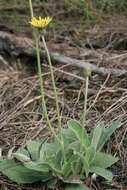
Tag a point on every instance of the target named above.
point(41, 22)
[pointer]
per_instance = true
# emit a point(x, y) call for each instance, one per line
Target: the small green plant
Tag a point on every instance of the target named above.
point(44, 161)
point(73, 155)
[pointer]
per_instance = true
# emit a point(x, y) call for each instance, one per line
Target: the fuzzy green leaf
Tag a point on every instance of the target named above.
point(24, 151)
point(37, 166)
point(74, 146)
point(59, 159)
point(101, 172)
point(77, 129)
point(104, 160)
point(52, 168)
point(52, 149)
point(19, 173)
point(55, 160)
point(90, 154)
point(21, 157)
point(68, 167)
point(106, 135)
point(34, 149)
point(53, 156)
point(42, 148)
point(97, 135)
point(85, 167)
point(68, 137)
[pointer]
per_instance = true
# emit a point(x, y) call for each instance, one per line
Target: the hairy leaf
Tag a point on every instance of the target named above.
point(52, 149)
point(21, 157)
point(101, 172)
point(107, 133)
point(19, 173)
point(97, 135)
point(85, 167)
point(90, 154)
point(74, 146)
point(34, 149)
point(103, 160)
point(24, 151)
point(37, 166)
point(42, 148)
point(77, 129)
point(68, 167)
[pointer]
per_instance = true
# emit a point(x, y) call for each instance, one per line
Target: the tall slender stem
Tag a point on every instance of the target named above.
point(40, 77)
point(56, 97)
point(85, 102)
point(31, 9)
point(42, 88)
point(84, 113)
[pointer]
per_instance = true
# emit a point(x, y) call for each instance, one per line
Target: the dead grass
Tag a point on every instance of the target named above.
point(21, 114)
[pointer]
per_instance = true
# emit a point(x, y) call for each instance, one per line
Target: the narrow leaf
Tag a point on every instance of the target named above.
point(97, 135)
point(21, 157)
point(107, 133)
point(90, 154)
point(91, 136)
point(43, 148)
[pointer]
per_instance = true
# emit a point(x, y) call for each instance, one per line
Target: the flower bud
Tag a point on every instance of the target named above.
point(87, 71)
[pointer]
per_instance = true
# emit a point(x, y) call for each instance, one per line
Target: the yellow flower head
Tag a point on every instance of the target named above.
point(41, 22)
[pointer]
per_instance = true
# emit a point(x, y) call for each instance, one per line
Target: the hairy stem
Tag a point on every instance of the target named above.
point(56, 97)
point(40, 77)
point(84, 113)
